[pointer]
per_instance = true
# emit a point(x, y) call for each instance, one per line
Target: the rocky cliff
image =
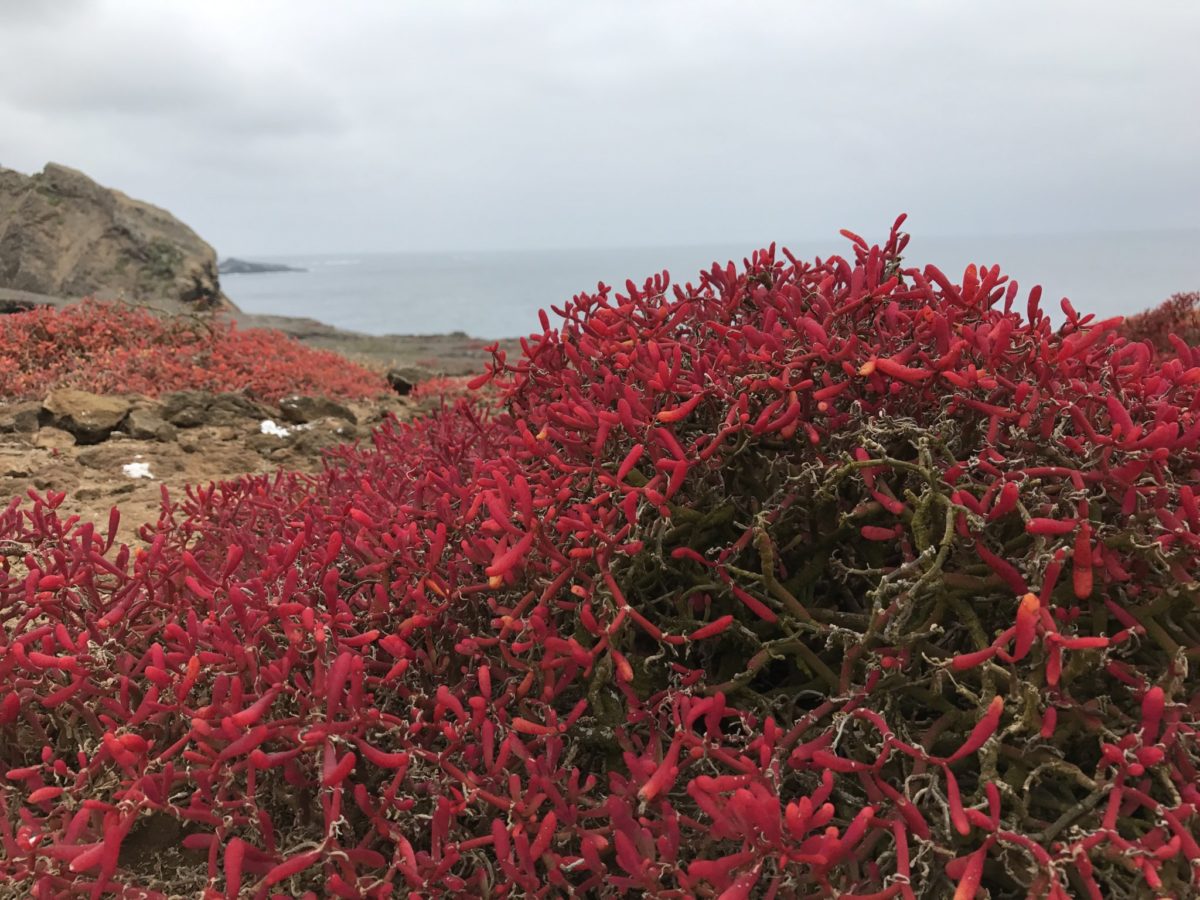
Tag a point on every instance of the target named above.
point(64, 235)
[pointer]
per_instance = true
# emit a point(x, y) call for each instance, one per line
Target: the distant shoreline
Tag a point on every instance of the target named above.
point(235, 266)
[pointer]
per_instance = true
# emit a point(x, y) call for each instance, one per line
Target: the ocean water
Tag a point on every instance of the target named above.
point(498, 294)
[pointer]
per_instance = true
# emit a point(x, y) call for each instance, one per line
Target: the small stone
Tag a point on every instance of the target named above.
point(145, 423)
point(50, 438)
point(187, 409)
point(300, 410)
point(265, 444)
point(233, 409)
point(405, 378)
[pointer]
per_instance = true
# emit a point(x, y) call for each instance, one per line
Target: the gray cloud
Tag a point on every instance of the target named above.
point(278, 126)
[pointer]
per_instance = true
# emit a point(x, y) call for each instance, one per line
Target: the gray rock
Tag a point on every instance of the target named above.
point(188, 409)
point(20, 418)
point(301, 410)
point(89, 417)
point(145, 423)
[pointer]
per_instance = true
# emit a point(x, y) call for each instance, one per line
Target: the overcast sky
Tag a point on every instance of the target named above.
point(305, 126)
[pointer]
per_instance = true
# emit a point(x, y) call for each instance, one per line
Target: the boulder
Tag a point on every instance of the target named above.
point(405, 378)
point(89, 417)
point(64, 235)
point(299, 410)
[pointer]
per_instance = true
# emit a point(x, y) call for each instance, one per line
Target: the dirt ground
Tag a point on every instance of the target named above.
point(129, 474)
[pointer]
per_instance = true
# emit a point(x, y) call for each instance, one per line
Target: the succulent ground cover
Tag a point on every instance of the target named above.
point(807, 579)
point(114, 348)
point(1174, 321)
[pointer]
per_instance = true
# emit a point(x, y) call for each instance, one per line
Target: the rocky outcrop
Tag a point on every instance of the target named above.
point(64, 235)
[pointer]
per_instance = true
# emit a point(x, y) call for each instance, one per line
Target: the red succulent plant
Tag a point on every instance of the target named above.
point(804, 579)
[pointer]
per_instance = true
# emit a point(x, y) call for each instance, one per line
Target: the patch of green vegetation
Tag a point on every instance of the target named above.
point(52, 197)
point(163, 262)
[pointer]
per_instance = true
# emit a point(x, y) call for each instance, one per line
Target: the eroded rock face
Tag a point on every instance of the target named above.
point(64, 235)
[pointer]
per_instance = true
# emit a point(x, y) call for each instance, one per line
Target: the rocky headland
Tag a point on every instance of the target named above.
point(235, 266)
point(64, 235)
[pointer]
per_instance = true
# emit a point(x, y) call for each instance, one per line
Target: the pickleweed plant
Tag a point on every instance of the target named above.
point(116, 348)
point(1174, 321)
point(803, 579)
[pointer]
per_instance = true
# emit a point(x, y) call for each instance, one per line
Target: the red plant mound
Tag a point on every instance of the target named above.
point(444, 387)
point(810, 579)
point(112, 348)
point(1174, 322)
